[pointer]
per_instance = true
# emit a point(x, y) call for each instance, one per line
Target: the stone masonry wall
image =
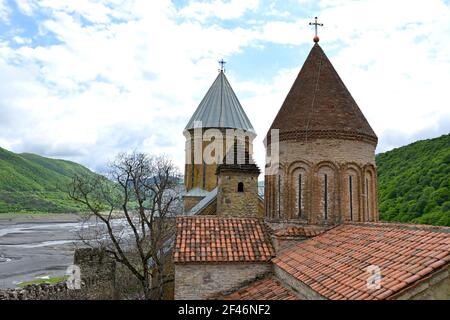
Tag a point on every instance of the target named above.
point(303, 291)
point(209, 210)
point(310, 169)
point(230, 202)
point(201, 281)
point(203, 175)
point(436, 287)
point(190, 202)
point(97, 281)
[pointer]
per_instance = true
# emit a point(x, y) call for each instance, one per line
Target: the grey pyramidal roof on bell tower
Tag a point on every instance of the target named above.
point(220, 108)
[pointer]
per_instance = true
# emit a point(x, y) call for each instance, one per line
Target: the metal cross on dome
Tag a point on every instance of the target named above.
point(316, 24)
point(222, 65)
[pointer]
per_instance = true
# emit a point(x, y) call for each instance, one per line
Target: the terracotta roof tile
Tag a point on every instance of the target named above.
point(335, 262)
point(265, 289)
point(300, 231)
point(221, 239)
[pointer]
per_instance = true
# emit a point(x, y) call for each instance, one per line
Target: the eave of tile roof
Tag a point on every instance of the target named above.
point(212, 239)
point(334, 264)
point(220, 108)
point(301, 231)
point(265, 289)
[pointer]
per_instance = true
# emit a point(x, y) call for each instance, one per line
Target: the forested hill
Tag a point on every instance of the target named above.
point(31, 183)
point(414, 182)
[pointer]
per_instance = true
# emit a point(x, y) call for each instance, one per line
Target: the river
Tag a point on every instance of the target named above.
point(35, 249)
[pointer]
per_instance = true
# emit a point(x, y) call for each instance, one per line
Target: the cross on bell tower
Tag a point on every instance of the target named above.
point(316, 24)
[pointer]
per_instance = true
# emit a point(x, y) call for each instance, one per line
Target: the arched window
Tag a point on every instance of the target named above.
point(350, 194)
point(369, 213)
point(240, 187)
point(368, 199)
point(325, 196)
point(296, 191)
point(279, 196)
point(300, 196)
point(192, 165)
point(204, 175)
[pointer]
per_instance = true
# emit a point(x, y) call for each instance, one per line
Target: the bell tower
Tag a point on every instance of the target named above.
point(217, 124)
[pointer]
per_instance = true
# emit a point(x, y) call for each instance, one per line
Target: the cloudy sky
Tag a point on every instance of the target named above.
point(83, 80)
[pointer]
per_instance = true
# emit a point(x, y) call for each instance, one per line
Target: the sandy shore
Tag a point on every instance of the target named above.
point(14, 218)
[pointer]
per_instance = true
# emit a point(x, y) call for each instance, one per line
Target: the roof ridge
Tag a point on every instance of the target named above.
point(219, 217)
point(409, 226)
point(213, 239)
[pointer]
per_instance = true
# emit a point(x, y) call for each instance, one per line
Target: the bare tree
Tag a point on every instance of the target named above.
point(135, 206)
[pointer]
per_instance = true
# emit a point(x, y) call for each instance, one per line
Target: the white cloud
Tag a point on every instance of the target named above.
point(143, 76)
point(128, 74)
point(224, 10)
point(25, 6)
point(395, 62)
point(4, 11)
point(282, 32)
point(263, 104)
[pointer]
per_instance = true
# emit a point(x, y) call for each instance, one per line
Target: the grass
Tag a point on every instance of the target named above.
point(53, 280)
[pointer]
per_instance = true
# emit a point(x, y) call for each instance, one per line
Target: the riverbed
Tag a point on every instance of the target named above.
point(33, 246)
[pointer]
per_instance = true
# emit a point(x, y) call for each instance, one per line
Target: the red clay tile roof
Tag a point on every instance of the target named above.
point(304, 231)
point(334, 264)
point(320, 106)
point(221, 239)
point(265, 289)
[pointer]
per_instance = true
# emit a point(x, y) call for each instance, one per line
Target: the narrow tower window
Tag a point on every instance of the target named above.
point(279, 196)
point(350, 190)
point(240, 187)
point(325, 197)
point(192, 167)
point(367, 199)
point(300, 196)
point(204, 175)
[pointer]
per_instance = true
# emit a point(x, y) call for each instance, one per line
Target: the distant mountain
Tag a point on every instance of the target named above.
point(414, 182)
point(31, 183)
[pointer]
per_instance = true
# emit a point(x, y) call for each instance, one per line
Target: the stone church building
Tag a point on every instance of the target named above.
point(315, 232)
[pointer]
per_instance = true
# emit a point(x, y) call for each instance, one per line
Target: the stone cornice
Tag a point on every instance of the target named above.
point(303, 135)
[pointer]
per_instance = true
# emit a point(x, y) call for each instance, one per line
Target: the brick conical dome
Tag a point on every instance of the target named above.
point(320, 106)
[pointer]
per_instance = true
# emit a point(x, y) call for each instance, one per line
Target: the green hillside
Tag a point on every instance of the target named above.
point(31, 183)
point(414, 182)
